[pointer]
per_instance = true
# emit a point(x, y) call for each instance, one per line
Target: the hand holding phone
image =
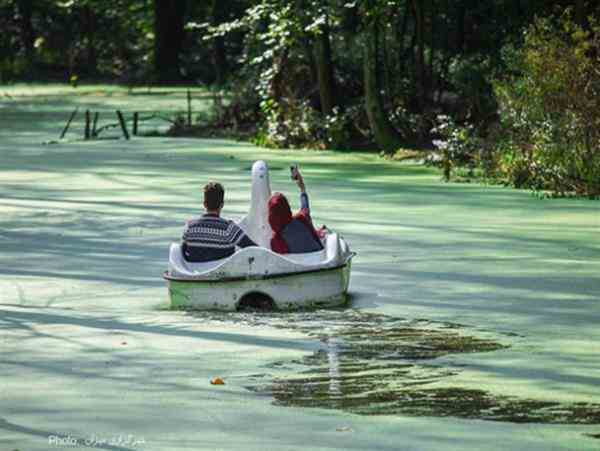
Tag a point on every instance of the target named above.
point(294, 171)
point(297, 177)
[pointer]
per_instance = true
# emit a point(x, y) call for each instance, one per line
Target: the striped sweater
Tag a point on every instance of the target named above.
point(211, 237)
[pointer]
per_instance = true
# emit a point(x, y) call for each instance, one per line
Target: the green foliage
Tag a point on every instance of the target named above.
point(299, 73)
point(277, 61)
point(51, 40)
point(458, 146)
point(469, 76)
point(550, 109)
point(442, 67)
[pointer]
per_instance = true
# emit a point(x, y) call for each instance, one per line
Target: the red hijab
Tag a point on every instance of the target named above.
point(280, 215)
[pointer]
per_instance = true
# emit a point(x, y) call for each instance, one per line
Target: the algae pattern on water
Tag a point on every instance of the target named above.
point(373, 364)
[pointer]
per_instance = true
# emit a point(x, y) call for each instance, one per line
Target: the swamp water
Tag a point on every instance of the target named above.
point(373, 364)
point(506, 287)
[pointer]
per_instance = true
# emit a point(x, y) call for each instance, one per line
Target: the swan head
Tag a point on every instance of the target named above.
point(261, 185)
point(260, 170)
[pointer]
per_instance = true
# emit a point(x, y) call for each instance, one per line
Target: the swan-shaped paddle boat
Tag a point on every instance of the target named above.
point(257, 276)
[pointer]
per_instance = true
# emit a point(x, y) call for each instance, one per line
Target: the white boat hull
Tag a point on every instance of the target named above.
point(319, 288)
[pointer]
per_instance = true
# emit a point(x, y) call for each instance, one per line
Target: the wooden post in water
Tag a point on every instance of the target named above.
point(64, 132)
point(189, 111)
point(95, 124)
point(135, 123)
point(86, 133)
point(123, 125)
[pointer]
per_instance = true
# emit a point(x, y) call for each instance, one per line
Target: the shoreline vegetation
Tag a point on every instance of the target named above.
point(209, 124)
point(495, 91)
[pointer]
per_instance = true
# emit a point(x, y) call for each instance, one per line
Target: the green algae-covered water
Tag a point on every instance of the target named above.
point(468, 303)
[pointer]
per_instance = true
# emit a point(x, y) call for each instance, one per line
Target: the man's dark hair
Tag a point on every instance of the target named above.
point(213, 196)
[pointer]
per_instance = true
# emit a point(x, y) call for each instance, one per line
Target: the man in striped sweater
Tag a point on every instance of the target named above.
point(211, 237)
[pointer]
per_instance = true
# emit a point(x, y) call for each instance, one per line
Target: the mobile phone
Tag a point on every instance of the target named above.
point(294, 171)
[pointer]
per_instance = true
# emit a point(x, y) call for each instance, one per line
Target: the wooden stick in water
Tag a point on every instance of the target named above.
point(86, 133)
point(123, 125)
point(135, 123)
point(64, 132)
point(189, 111)
point(95, 124)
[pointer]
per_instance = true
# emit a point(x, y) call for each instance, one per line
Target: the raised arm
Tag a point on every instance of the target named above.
point(304, 205)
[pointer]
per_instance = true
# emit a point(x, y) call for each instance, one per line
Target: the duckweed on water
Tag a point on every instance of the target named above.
point(372, 364)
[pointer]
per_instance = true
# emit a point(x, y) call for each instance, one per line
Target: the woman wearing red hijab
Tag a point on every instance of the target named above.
point(292, 234)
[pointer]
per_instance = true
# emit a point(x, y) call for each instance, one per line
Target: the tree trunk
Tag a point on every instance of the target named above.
point(420, 55)
point(25, 9)
point(445, 51)
point(460, 26)
point(310, 50)
point(89, 20)
point(387, 71)
point(431, 81)
point(401, 32)
point(400, 61)
point(218, 16)
point(168, 39)
point(385, 134)
point(325, 70)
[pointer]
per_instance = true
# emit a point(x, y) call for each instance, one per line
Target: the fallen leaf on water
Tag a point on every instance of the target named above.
point(217, 381)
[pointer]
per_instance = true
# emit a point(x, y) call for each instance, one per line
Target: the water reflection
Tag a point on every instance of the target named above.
point(335, 386)
point(379, 365)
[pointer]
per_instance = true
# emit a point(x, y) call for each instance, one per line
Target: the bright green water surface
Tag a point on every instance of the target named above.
point(468, 303)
